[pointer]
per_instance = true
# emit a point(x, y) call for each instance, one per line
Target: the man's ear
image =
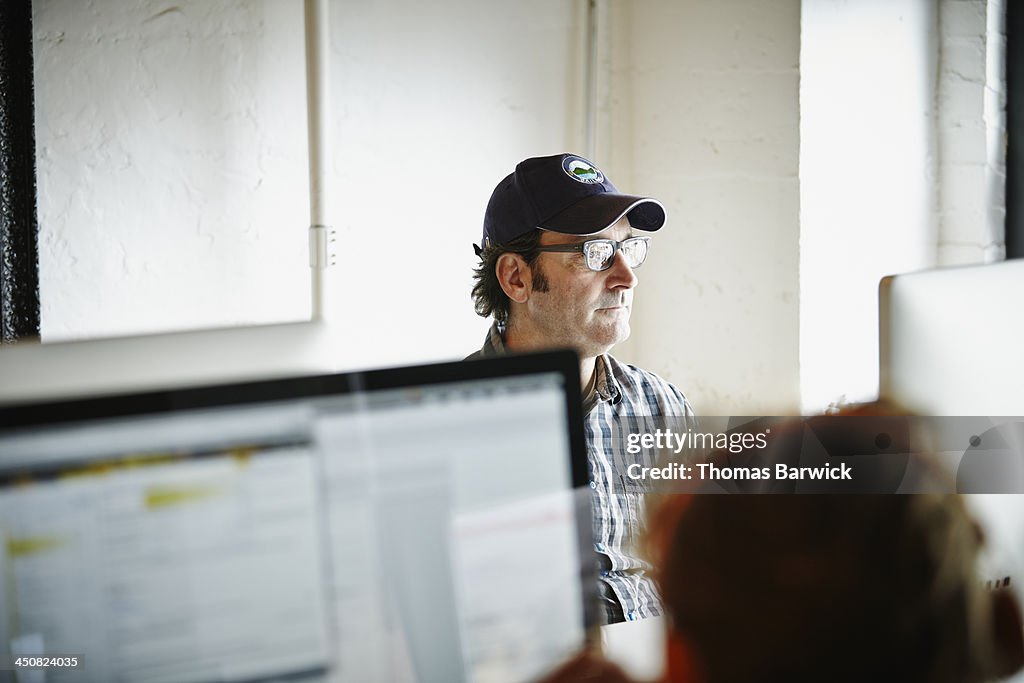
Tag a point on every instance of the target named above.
point(1008, 633)
point(514, 276)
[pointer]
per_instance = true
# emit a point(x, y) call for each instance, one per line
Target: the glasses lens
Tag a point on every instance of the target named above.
point(635, 251)
point(599, 254)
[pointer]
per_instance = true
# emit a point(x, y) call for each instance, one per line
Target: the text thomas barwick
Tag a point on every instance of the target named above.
point(711, 471)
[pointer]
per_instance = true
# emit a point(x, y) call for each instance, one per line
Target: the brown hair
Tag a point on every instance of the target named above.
point(488, 296)
point(826, 587)
point(832, 587)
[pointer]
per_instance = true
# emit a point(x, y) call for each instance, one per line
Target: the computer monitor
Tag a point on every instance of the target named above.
point(415, 524)
point(950, 345)
point(950, 339)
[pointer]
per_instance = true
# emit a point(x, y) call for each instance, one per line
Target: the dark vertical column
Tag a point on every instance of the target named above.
point(1014, 130)
point(19, 251)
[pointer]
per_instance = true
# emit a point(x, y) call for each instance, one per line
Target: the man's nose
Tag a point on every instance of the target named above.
point(620, 275)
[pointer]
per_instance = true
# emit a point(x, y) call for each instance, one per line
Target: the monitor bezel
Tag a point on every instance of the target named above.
point(34, 414)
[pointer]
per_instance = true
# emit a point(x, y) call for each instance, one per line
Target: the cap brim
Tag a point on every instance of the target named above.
point(599, 212)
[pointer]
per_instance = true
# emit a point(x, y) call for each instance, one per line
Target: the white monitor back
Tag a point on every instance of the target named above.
point(950, 340)
point(31, 371)
point(950, 343)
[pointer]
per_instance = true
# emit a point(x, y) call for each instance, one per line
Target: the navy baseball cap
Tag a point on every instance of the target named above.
point(563, 193)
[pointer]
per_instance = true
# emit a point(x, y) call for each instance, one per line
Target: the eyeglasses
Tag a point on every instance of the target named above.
point(600, 254)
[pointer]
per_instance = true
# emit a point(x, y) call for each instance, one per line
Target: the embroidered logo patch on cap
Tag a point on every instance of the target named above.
point(582, 170)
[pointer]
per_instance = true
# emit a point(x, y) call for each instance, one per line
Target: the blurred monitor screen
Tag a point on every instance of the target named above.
point(415, 524)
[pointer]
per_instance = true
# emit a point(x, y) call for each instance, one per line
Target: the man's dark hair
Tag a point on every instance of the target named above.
point(488, 297)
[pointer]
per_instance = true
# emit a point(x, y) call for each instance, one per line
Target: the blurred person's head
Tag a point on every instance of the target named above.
point(829, 587)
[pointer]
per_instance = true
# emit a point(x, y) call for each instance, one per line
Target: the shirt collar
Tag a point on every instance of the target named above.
point(606, 386)
point(494, 343)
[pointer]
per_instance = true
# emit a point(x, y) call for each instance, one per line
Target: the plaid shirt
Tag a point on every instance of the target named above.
point(624, 395)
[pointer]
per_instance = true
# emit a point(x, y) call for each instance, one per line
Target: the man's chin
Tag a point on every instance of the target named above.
point(603, 343)
point(624, 334)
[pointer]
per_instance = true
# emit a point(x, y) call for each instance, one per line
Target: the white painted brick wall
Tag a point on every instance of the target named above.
point(706, 118)
point(970, 126)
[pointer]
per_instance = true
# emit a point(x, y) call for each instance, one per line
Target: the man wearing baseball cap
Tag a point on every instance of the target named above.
point(556, 270)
